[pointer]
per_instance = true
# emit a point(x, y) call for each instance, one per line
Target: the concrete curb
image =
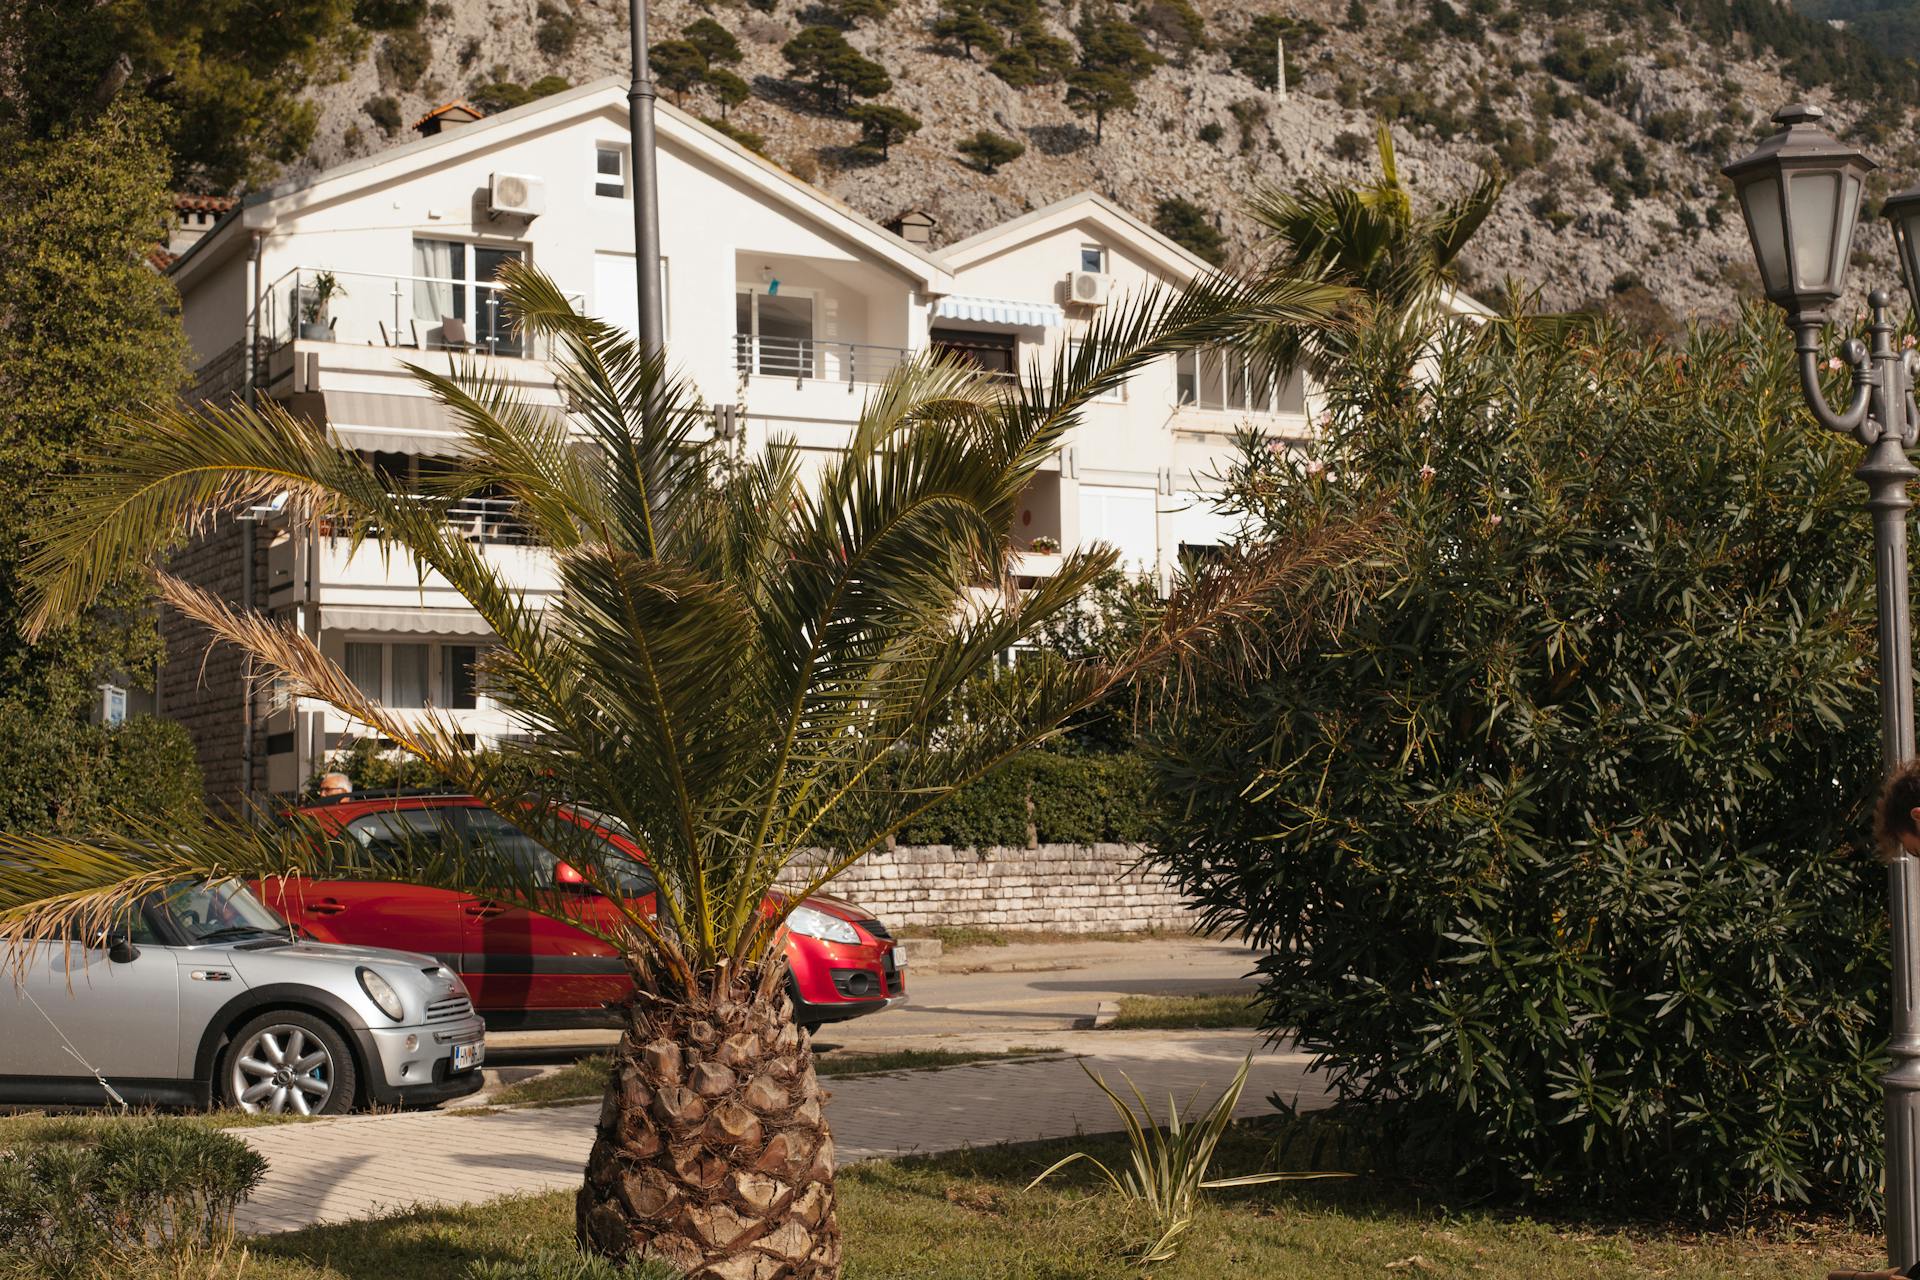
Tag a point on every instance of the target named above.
point(1105, 1013)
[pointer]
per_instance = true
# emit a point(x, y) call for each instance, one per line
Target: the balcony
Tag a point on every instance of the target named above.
point(818, 360)
point(404, 313)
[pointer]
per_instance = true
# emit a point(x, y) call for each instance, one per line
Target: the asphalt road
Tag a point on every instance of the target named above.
point(983, 997)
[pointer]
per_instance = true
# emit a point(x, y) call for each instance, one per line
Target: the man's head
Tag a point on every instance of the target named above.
point(1897, 822)
point(335, 784)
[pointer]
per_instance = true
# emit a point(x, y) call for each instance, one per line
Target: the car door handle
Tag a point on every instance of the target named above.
point(485, 910)
point(325, 908)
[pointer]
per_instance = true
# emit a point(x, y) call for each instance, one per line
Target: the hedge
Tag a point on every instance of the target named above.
point(60, 774)
point(1076, 799)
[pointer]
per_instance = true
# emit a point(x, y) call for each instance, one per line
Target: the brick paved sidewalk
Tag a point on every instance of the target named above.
point(366, 1166)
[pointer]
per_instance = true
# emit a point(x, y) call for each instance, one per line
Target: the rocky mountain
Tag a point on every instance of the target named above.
point(1611, 122)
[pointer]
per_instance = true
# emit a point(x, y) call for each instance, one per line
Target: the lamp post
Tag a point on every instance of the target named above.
point(646, 187)
point(1800, 192)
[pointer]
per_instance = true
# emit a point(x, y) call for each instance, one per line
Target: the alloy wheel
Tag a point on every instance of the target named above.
point(282, 1069)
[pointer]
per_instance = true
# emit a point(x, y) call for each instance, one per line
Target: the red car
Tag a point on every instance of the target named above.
point(529, 971)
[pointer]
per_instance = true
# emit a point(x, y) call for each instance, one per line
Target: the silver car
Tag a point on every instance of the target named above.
point(208, 998)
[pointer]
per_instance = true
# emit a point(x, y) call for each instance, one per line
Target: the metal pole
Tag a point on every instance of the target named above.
point(1887, 471)
point(646, 188)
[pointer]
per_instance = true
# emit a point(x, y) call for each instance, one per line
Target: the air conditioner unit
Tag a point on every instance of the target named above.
point(1089, 288)
point(516, 195)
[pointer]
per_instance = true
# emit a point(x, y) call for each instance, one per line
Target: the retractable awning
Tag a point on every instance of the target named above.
point(1039, 315)
point(391, 424)
point(410, 622)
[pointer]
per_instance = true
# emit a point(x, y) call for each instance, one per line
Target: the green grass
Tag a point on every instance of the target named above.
point(964, 1216)
point(1181, 1013)
point(588, 1076)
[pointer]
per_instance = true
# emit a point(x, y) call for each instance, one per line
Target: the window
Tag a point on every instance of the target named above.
point(1093, 258)
point(774, 332)
point(1126, 519)
point(366, 667)
point(990, 352)
point(456, 304)
point(1113, 395)
point(459, 690)
point(409, 675)
point(1223, 378)
point(610, 172)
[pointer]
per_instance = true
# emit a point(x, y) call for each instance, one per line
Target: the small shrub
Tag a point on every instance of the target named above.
point(1211, 132)
point(384, 111)
point(144, 1188)
point(754, 142)
point(557, 30)
point(388, 15)
point(403, 59)
point(1191, 227)
point(990, 150)
point(1348, 145)
point(469, 52)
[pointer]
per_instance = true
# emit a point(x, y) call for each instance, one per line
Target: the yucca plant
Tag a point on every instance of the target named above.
point(750, 674)
point(1167, 1167)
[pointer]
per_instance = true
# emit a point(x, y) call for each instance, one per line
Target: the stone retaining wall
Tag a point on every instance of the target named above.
point(1078, 888)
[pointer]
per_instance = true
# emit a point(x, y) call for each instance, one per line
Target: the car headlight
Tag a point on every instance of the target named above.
point(809, 923)
point(381, 992)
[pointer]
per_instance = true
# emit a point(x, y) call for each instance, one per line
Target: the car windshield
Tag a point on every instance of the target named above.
point(208, 911)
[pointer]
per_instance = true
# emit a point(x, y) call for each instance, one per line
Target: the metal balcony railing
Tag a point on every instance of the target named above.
point(421, 313)
point(483, 521)
point(816, 359)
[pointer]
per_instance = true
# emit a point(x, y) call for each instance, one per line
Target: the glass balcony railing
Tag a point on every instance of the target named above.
point(418, 313)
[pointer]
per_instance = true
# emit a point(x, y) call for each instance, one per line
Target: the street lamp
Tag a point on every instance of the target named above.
point(1800, 192)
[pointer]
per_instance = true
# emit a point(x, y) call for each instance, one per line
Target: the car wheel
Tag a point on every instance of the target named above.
point(287, 1063)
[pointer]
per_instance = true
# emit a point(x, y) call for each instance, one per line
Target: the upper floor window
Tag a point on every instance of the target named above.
point(1112, 394)
point(610, 171)
point(457, 305)
point(1223, 378)
point(1093, 258)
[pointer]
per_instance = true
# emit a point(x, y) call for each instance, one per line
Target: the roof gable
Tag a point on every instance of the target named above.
point(1088, 207)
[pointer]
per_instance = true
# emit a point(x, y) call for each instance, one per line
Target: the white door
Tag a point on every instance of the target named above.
point(1126, 519)
point(1197, 522)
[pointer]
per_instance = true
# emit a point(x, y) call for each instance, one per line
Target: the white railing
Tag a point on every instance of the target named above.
point(420, 313)
point(482, 521)
point(816, 359)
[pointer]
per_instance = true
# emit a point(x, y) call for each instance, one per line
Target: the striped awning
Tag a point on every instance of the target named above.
point(1039, 315)
point(406, 622)
point(390, 423)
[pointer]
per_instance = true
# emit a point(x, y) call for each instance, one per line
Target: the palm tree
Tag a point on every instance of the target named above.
point(1400, 261)
point(752, 675)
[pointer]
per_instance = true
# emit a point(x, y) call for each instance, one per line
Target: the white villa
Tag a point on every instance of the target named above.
point(783, 307)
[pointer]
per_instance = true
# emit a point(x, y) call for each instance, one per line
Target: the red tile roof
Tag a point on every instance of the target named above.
point(186, 202)
point(445, 107)
point(160, 258)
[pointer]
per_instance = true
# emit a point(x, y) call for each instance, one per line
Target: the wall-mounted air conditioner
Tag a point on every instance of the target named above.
point(516, 195)
point(1089, 288)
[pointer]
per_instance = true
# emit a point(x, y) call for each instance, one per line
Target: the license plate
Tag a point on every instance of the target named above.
point(468, 1056)
point(899, 955)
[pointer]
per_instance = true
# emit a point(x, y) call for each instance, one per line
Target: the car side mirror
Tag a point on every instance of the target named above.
point(120, 949)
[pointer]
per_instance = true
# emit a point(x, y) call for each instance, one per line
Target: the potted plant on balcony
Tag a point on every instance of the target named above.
point(314, 326)
point(1044, 545)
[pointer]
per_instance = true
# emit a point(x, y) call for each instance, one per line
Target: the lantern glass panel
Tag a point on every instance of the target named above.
point(1762, 200)
point(1849, 213)
point(1907, 226)
point(1814, 209)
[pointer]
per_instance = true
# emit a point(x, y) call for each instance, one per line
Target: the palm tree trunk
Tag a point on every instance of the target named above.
point(712, 1152)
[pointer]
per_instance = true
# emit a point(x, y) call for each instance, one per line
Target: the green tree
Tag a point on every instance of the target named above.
point(228, 76)
point(1033, 56)
point(1174, 24)
point(838, 70)
point(1109, 42)
point(851, 13)
point(1099, 93)
point(715, 43)
point(1254, 54)
point(963, 22)
point(990, 150)
point(1188, 225)
point(1560, 859)
point(729, 90)
point(738, 668)
point(677, 66)
point(881, 126)
point(87, 330)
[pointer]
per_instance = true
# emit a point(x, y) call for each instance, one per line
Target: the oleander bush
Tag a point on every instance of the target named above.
point(1560, 856)
point(145, 1190)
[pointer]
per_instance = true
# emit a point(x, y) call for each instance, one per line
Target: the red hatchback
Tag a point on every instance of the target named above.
point(526, 970)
